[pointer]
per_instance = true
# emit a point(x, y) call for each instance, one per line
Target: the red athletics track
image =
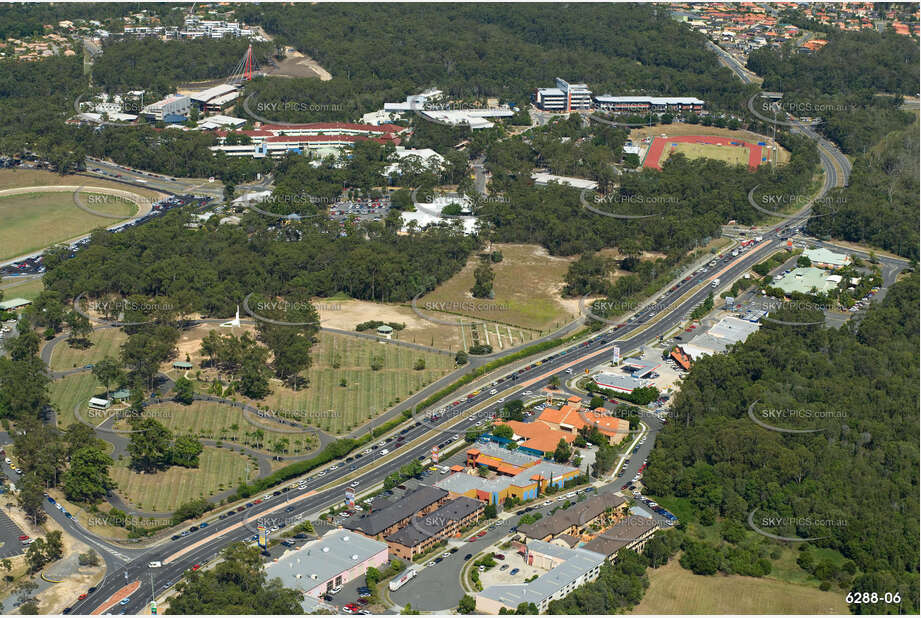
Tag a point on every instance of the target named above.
point(654, 156)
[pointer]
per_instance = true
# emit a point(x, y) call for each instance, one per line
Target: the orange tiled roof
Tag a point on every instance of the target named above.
point(573, 417)
point(539, 436)
point(509, 469)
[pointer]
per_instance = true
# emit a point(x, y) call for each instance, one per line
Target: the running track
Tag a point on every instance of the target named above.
point(654, 156)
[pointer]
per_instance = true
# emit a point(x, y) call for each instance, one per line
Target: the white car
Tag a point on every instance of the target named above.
point(493, 392)
point(353, 484)
point(526, 393)
point(501, 399)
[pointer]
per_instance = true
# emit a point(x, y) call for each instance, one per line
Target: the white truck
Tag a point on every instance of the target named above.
point(715, 283)
point(400, 580)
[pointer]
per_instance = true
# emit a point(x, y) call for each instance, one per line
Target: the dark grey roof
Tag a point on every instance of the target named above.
point(579, 514)
point(620, 535)
point(432, 524)
point(375, 522)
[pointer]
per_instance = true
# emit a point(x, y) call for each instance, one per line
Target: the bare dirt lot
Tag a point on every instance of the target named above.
point(297, 64)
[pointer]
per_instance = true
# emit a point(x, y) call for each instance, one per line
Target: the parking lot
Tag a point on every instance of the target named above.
point(10, 544)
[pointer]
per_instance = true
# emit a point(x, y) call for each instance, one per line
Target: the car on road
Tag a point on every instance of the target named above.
point(504, 567)
point(82, 596)
point(468, 556)
point(514, 571)
point(431, 563)
point(195, 567)
point(447, 554)
point(499, 556)
point(125, 601)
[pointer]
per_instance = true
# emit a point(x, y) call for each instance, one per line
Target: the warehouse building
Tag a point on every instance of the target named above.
point(808, 280)
point(823, 258)
point(215, 100)
point(648, 104)
point(383, 523)
point(330, 562)
point(174, 108)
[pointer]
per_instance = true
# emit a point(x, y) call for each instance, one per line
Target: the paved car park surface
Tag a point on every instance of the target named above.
point(9, 537)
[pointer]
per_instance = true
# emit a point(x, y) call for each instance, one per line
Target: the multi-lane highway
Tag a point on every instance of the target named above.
point(320, 492)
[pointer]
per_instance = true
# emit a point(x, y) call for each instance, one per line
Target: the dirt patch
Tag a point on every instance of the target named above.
point(297, 64)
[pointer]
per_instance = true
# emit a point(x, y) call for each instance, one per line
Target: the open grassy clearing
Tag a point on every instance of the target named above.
point(324, 403)
point(105, 342)
point(673, 590)
point(527, 292)
point(733, 155)
point(12, 178)
point(69, 391)
point(217, 421)
point(218, 469)
point(32, 221)
point(20, 287)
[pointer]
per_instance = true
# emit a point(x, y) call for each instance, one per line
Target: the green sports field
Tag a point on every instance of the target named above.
point(33, 221)
point(733, 155)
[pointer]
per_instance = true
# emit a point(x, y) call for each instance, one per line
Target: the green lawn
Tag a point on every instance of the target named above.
point(105, 342)
point(32, 221)
point(71, 390)
point(218, 469)
point(26, 288)
point(216, 421)
point(337, 409)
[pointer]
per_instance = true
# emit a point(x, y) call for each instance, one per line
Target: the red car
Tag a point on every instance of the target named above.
point(351, 608)
point(257, 501)
point(196, 567)
point(24, 537)
point(82, 596)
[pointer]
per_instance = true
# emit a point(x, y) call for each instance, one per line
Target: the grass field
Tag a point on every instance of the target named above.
point(527, 292)
point(673, 590)
point(733, 155)
point(324, 403)
point(340, 409)
point(678, 130)
point(218, 469)
point(71, 390)
point(216, 421)
point(15, 287)
point(106, 342)
point(32, 221)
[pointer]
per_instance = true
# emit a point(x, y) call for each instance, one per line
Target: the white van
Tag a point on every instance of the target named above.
point(156, 564)
point(715, 283)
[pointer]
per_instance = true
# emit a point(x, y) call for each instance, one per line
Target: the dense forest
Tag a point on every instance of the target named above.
point(218, 266)
point(842, 83)
point(880, 204)
point(856, 473)
point(852, 62)
point(159, 66)
point(499, 50)
point(690, 199)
